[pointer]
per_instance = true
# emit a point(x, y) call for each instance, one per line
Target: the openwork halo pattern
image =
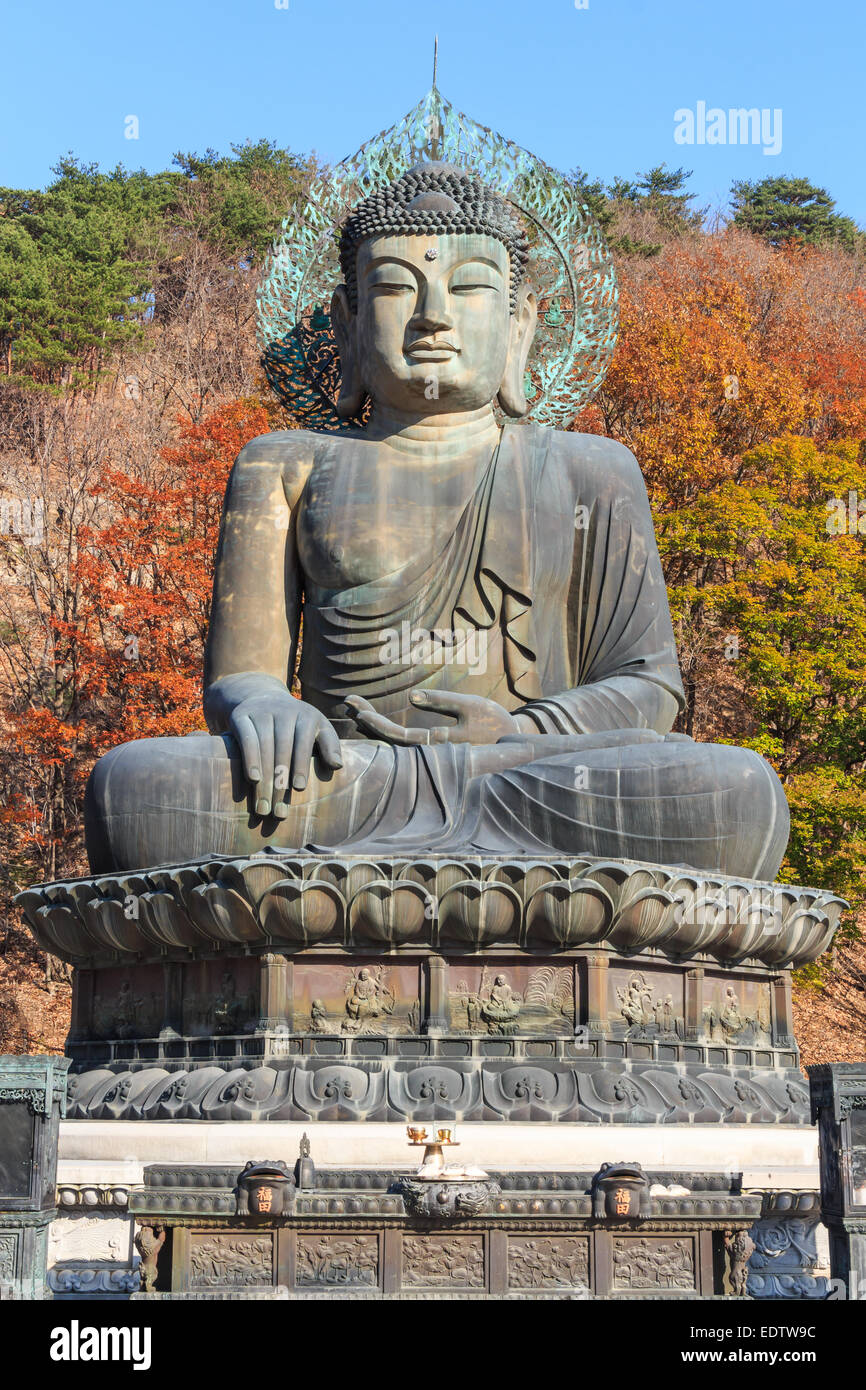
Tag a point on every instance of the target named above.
point(570, 268)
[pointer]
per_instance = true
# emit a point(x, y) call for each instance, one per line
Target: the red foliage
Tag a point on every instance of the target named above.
point(132, 644)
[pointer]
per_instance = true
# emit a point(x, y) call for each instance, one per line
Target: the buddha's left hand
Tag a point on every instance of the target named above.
point(478, 720)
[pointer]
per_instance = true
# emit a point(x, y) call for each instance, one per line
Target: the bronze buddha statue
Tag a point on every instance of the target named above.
point(488, 663)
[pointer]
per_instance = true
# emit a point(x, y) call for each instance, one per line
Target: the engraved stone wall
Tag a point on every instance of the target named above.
point(337, 1261)
point(548, 1262)
point(648, 1264)
point(445, 1261)
point(222, 1260)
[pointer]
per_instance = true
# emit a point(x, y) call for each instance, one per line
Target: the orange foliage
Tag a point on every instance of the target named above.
point(149, 575)
point(724, 345)
point(132, 644)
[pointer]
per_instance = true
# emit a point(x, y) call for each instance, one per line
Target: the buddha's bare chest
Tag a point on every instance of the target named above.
point(358, 525)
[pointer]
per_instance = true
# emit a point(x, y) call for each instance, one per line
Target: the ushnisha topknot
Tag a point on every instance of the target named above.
point(431, 200)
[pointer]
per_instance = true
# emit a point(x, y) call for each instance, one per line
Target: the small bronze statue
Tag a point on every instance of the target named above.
point(738, 1250)
point(149, 1240)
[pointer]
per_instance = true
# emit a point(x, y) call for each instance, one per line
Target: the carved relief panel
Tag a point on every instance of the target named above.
point(220, 996)
point(128, 1003)
point(225, 1260)
point(365, 997)
point(653, 1263)
point(737, 1010)
point(502, 1000)
point(338, 1261)
point(646, 1003)
point(446, 1261)
point(8, 1251)
point(548, 1262)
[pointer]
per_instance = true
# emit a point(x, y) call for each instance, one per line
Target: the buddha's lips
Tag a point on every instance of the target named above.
point(432, 350)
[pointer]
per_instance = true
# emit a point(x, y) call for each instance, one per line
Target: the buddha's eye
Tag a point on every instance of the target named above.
point(391, 287)
point(390, 279)
point(475, 277)
point(473, 286)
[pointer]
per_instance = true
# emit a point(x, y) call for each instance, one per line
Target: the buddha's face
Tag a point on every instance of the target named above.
point(434, 328)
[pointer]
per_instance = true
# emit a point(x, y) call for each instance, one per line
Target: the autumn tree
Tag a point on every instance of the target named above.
point(738, 383)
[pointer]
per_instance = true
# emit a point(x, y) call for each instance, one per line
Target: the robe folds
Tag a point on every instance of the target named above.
point(554, 561)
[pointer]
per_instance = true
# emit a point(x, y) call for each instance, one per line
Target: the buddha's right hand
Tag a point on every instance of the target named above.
point(276, 734)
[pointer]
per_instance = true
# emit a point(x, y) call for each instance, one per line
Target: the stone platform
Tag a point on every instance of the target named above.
point(224, 1007)
point(295, 987)
point(185, 1175)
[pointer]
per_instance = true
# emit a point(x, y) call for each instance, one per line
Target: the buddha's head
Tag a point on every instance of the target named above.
point(434, 315)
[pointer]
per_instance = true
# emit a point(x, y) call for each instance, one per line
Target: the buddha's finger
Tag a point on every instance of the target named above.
point(328, 745)
point(284, 729)
point(302, 752)
point(372, 723)
point(356, 703)
point(446, 702)
point(265, 728)
point(363, 712)
point(244, 731)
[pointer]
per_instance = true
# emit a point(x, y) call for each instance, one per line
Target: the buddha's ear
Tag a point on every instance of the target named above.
point(343, 322)
point(512, 397)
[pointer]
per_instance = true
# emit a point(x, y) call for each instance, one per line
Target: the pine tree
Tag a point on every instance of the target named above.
point(788, 210)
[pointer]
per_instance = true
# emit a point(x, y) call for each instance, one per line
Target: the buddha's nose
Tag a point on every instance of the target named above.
point(431, 310)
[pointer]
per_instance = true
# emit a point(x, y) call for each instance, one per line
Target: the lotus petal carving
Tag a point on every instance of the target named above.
point(805, 936)
point(479, 914)
point(569, 914)
point(107, 920)
point(338, 1092)
point(164, 919)
point(534, 903)
point(437, 876)
point(642, 920)
point(390, 913)
point(58, 928)
point(303, 912)
point(524, 878)
point(349, 876)
point(257, 876)
point(223, 913)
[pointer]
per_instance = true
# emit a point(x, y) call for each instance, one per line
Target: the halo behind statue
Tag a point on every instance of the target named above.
point(570, 268)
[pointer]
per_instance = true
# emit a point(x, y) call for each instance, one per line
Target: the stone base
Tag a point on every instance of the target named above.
point(567, 1013)
point(517, 1087)
point(321, 987)
point(184, 1175)
point(503, 988)
point(541, 1234)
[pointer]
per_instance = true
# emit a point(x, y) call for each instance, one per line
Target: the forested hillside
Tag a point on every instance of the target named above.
point(129, 379)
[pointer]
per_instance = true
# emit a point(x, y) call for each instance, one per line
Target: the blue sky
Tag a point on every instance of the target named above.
point(597, 86)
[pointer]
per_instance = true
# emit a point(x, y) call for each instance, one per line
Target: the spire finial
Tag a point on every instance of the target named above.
point(435, 58)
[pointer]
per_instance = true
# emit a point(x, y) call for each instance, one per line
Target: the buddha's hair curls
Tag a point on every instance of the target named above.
point(434, 199)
